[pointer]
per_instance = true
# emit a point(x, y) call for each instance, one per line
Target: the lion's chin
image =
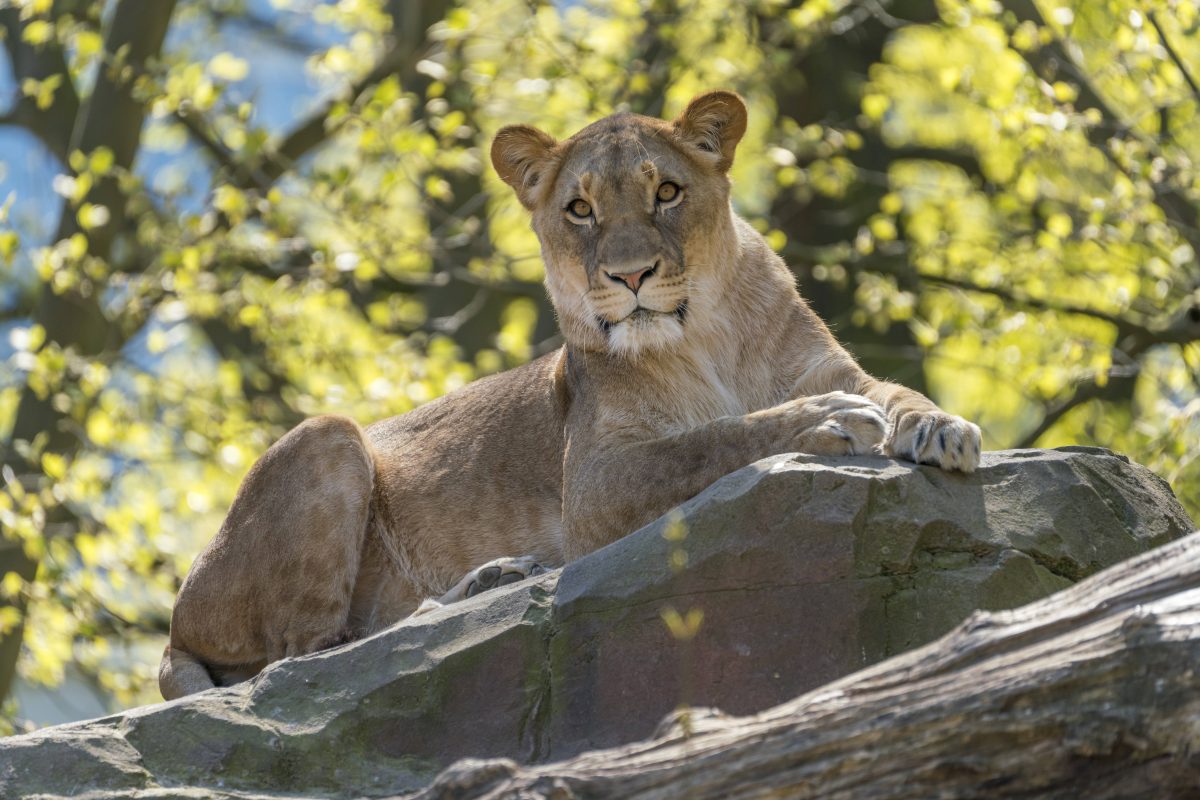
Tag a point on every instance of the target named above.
point(645, 331)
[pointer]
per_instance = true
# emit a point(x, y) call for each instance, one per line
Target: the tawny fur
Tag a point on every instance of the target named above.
point(714, 363)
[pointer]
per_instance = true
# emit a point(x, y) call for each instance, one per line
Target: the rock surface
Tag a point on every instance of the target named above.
point(805, 570)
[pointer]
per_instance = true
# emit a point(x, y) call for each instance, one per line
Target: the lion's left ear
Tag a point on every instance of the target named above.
point(714, 122)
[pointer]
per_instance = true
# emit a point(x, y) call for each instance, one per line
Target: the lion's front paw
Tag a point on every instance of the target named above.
point(937, 438)
point(850, 425)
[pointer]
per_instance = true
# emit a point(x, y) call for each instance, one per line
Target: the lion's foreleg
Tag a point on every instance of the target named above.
point(613, 488)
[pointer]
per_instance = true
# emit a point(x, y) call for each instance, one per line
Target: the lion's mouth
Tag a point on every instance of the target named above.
point(642, 314)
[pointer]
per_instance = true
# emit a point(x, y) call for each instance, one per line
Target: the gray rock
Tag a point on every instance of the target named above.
point(805, 569)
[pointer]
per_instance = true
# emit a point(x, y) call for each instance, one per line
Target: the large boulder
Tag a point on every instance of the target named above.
point(804, 569)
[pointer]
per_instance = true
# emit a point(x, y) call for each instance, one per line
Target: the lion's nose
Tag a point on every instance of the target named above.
point(633, 279)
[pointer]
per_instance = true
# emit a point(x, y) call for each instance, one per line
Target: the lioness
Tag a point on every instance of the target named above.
point(688, 354)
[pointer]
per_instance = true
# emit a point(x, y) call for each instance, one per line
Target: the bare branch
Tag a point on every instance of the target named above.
point(301, 258)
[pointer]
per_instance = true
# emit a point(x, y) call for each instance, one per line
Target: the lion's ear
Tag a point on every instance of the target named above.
point(714, 123)
point(522, 156)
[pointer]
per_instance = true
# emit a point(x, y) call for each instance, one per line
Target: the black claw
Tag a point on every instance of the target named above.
point(511, 577)
point(536, 569)
point(919, 443)
point(473, 588)
point(488, 576)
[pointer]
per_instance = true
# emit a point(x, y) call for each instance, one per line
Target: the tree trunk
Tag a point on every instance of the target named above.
point(112, 117)
point(1092, 692)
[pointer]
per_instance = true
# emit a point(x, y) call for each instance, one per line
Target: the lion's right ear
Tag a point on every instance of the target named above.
point(714, 123)
point(522, 156)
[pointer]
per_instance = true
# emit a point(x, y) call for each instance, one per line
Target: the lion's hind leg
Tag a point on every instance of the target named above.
point(495, 573)
point(277, 579)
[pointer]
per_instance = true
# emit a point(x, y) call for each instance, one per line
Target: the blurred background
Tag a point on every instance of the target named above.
point(218, 218)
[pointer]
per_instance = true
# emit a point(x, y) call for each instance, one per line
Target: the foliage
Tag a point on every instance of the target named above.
point(996, 201)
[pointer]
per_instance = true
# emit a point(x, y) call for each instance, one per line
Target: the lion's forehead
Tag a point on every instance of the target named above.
point(617, 156)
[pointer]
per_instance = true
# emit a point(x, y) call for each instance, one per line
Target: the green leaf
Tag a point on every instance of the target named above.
point(228, 67)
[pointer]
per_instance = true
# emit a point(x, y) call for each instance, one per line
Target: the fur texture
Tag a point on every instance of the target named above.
point(688, 354)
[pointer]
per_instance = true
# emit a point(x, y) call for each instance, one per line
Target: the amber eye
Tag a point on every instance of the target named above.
point(667, 192)
point(580, 209)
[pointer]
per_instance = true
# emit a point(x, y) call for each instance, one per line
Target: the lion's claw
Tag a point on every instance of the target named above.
point(936, 438)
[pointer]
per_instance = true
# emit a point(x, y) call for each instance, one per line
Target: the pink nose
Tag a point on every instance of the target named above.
point(632, 279)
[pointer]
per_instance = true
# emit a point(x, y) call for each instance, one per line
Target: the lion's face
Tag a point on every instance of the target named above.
point(627, 211)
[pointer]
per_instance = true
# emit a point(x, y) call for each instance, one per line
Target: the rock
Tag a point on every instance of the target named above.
point(1091, 692)
point(805, 569)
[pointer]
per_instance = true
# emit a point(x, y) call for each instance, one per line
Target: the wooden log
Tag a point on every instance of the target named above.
point(1093, 692)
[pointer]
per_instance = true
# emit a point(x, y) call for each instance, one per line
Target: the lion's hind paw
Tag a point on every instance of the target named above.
point(493, 574)
point(501, 572)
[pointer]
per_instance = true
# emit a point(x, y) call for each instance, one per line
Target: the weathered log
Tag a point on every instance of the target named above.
point(1092, 692)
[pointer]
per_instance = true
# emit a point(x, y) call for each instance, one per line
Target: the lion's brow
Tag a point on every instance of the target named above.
point(646, 153)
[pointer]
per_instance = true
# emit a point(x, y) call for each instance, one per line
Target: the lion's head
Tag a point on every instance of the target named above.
point(633, 217)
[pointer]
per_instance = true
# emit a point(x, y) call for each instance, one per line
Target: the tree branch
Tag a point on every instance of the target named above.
point(201, 132)
point(1046, 60)
point(1179, 63)
point(1125, 327)
point(1119, 382)
point(964, 159)
point(271, 28)
point(319, 127)
point(235, 343)
point(52, 125)
point(1082, 393)
point(198, 127)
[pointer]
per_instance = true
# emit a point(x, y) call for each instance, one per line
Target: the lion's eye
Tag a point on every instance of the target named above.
point(668, 192)
point(579, 209)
